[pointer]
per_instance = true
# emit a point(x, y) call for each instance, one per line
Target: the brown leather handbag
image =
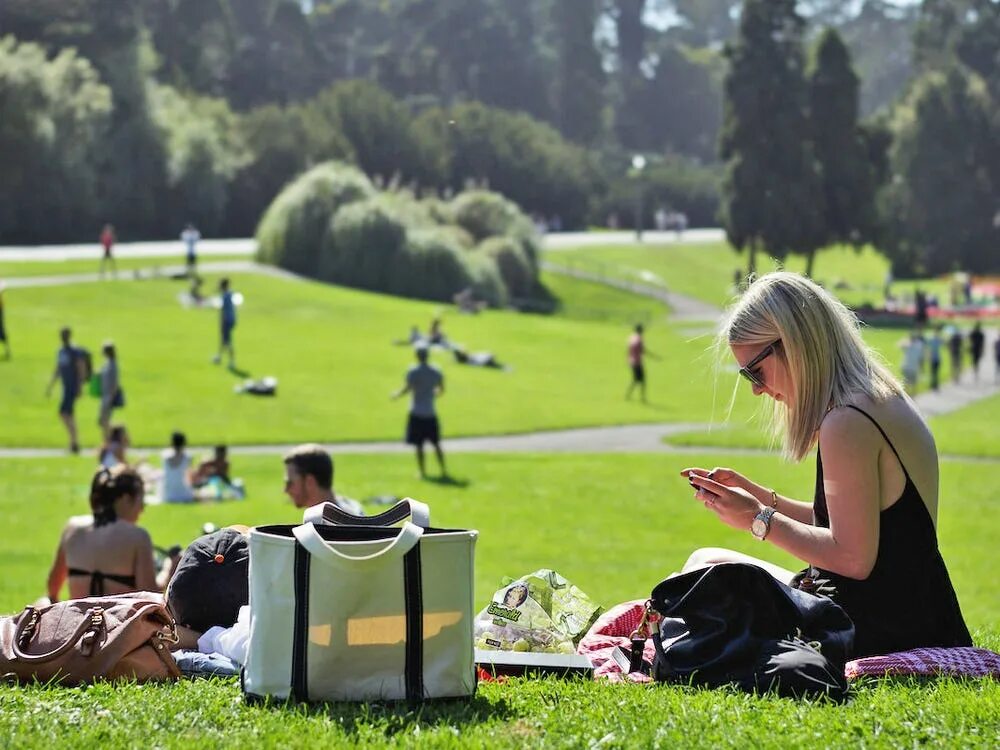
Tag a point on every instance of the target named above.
point(82, 640)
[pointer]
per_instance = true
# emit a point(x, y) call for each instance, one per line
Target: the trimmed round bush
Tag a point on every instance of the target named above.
point(486, 282)
point(485, 214)
point(365, 240)
point(432, 265)
point(292, 232)
point(511, 262)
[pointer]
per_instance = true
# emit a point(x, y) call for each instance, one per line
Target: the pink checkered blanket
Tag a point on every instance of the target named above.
point(962, 661)
point(613, 628)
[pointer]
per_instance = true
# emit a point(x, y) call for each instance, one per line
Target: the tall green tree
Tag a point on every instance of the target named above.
point(840, 147)
point(53, 115)
point(579, 80)
point(771, 190)
point(943, 206)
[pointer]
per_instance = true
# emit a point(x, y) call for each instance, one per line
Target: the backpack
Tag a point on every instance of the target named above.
point(84, 364)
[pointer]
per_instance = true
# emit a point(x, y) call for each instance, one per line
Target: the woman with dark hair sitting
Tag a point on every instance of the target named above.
point(106, 553)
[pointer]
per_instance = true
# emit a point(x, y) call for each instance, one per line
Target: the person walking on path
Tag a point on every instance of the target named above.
point(426, 383)
point(636, 351)
point(977, 342)
point(934, 344)
point(71, 371)
point(108, 243)
point(955, 353)
point(227, 322)
point(3, 330)
point(190, 237)
point(111, 390)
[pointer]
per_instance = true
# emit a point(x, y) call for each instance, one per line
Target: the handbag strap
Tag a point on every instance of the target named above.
point(90, 624)
point(332, 514)
point(327, 552)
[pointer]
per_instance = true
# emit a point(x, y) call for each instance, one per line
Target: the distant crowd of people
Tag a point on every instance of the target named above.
point(926, 350)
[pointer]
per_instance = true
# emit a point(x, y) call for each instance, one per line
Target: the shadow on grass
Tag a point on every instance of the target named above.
point(238, 372)
point(449, 481)
point(399, 717)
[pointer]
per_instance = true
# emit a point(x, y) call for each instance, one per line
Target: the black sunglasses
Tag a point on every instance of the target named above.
point(751, 371)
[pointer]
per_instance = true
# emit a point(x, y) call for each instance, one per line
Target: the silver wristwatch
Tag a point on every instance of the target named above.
point(762, 523)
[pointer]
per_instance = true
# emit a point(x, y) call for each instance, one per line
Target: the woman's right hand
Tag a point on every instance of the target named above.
point(725, 476)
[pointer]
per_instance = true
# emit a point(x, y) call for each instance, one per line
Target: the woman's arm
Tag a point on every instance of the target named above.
point(58, 573)
point(145, 565)
point(850, 445)
point(795, 509)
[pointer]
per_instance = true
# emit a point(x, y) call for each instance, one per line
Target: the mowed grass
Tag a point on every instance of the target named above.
point(614, 525)
point(331, 350)
point(706, 270)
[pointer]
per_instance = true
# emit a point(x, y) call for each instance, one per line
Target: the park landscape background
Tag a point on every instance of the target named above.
point(205, 111)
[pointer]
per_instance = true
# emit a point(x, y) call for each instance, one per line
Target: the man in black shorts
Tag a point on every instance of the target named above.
point(425, 382)
point(71, 373)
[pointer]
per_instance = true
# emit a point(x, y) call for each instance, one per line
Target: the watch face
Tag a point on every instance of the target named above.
point(758, 528)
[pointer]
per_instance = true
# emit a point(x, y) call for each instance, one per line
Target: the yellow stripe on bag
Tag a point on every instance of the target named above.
point(382, 631)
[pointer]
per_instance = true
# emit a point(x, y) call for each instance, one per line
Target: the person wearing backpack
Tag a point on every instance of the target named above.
point(72, 370)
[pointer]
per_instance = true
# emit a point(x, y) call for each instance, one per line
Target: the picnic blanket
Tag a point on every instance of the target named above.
point(613, 628)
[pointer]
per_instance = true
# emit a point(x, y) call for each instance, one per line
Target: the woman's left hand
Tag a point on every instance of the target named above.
point(733, 505)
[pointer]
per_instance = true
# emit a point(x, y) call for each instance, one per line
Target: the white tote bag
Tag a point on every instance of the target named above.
point(357, 613)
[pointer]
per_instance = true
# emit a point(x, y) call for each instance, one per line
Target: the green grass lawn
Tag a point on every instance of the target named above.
point(331, 350)
point(573, 513)
point(10, 269)
point(705, 270)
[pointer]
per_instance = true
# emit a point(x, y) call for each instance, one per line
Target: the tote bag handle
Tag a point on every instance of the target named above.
point(326, 552)
point(330, 513)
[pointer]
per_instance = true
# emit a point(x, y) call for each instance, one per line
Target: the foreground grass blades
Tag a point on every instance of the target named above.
point(547, 713)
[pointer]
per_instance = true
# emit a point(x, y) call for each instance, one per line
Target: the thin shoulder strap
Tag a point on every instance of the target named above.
point(879, 428)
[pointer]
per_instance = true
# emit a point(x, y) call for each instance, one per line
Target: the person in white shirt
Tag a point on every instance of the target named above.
point(190, 237)
point(175, 482)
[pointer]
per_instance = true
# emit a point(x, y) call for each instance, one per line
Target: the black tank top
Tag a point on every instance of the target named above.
point(907, 601)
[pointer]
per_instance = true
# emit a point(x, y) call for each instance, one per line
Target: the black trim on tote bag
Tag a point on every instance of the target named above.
point(300, 668)
point(414, 599)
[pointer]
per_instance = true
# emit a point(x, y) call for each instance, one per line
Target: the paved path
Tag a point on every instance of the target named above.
point(248, 245)
point(140, 274)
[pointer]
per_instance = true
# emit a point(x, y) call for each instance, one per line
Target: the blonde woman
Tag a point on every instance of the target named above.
point(871, 527)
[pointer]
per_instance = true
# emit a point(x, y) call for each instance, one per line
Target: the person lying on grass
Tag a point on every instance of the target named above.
point(106, 552)
point(870, 531)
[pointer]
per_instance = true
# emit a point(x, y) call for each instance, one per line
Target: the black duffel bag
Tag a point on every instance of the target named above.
point(733, 623)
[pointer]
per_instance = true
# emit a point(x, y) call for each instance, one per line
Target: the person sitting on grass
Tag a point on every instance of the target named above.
point(214, 472)
point(175, 481)
point(870, 531)
point(106, 552)
point(113, 452)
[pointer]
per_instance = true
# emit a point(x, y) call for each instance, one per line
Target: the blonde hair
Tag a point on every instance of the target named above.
point(828, 362)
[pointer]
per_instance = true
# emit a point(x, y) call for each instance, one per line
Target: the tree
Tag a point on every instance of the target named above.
point(53, 114)
point(840, 147)
point(943, 203)
point(771, 192)
point(578, 85)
